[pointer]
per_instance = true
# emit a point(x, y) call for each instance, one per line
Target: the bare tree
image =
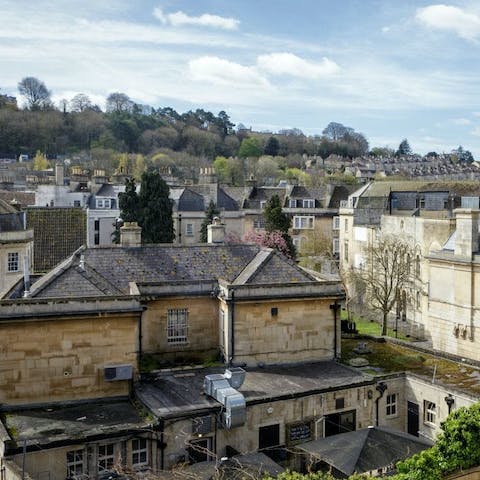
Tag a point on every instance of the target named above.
point(119, 102)
point(35, 92)
point(80, 103)
point(386, 272)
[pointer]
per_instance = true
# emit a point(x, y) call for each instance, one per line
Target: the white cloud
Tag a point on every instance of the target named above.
point(223, 72)
point(290, 64)
point(461, 121)
point(385, 29)
point(450, 18)
point(179, 19)
point(475, 132)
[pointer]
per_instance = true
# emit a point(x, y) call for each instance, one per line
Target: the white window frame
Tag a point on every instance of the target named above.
point(177, 326)
point(189, 229)
point(139, 447)
point(13, 262)
point(263, 204)
point(103, 203)
point(304, 222)
point(78, 460)
point(429, 412)
point(308, 203)
point(336, 223)
point(104, 458)
point(391, 407)
point(336, 246)
point(292, 203)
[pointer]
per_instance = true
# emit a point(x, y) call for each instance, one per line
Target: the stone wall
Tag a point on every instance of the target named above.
point(281, 331)
point(56, 359)
point(202, 331)
point(245, 439)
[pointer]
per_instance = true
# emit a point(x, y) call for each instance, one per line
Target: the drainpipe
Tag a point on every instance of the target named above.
point(232, 328)
point(380, 388)
point(179, 228)
point(161, 424)
point(335, 307)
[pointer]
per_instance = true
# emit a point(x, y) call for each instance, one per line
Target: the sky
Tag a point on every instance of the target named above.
point(390, 69)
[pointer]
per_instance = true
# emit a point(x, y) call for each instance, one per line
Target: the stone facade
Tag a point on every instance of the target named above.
point(55, 357)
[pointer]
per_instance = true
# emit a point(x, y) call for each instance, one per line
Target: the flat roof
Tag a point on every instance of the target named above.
point(72, 424)
point(170, 394)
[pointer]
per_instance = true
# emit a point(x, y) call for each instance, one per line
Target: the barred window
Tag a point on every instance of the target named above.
point(76, 463)
point(189, 229)
point(177, 326)
point(139, 452)
point(13, 265)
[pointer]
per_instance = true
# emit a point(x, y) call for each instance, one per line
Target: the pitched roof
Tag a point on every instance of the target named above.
point(58, 232)
point(365, 449)
point(383, 188)
point(110, 270)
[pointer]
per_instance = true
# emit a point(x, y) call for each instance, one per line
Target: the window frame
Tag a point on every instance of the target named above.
point(75, 462)
point(391, 405)
point(298, 222)
point(13, 262)
point(177, 326)
point(336, 223)
point(103, 203)
point(189, 230)
point(105, 457)
point(429, 412)
point(138, 450)
point(308, 203)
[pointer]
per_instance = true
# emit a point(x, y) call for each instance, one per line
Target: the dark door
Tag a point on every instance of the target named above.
point(340, 423)
point(269, 442)
point(412, 419)
point(268, 436)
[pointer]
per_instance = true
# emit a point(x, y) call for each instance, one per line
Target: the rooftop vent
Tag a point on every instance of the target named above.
point(222, 387)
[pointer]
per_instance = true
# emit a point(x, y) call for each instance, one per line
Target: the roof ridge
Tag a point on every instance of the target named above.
point(49, 277)
point(92, 276)
point(260, 259)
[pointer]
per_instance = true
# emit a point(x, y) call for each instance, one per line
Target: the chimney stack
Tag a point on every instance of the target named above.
point(466, 240)
point(216, 232)
point(59, 174)
point(130, 235)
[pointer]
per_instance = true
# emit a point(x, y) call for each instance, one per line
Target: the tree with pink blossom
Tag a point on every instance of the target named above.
point(274, 239)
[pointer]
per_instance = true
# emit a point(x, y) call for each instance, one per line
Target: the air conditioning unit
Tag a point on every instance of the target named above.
point(113, 373)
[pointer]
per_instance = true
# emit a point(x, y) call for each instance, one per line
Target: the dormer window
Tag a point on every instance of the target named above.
point(292, 203)
point(103, 203)
point(263, 204)
point(308, 203)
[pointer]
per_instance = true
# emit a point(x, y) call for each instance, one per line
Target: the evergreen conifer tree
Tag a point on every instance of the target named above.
point(211, 212)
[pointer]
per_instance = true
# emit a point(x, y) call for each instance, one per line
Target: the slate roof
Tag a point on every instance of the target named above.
point(23, 198)
point(109, 270)
point(259, 194)
point(58, 232)
point(365, 449)
point(341, 192)
point(70, 424)
point(168, 394)
point(240, 467)
point(106, 190)
point(383, 188)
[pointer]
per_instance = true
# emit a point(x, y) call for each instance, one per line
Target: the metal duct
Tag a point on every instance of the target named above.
point(221, 388)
